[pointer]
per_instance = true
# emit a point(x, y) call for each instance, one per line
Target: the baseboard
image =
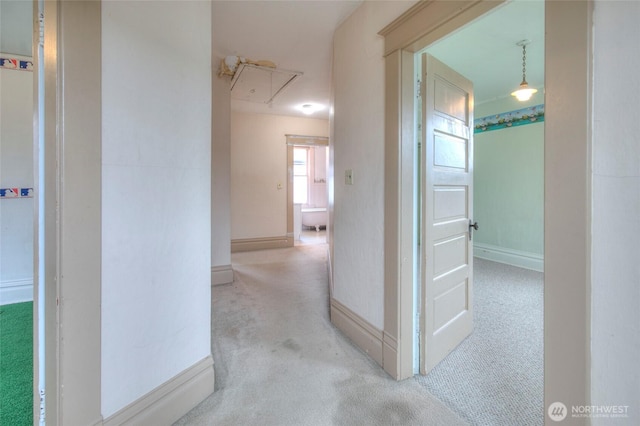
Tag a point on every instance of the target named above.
point(521, 259)
point(390, 355)
point(16, 291)
point(222, 274)
point(171, 400)
point(330, 272)
point(250, 244)
point(364, 335)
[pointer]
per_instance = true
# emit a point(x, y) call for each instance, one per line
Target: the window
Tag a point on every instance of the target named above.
point(300, 175)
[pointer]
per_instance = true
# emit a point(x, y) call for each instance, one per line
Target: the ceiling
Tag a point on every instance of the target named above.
point(485, 51)
point(295, 35)
point(298, 36)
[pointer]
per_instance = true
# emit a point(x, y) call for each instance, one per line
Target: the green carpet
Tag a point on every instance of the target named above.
point(16, 364)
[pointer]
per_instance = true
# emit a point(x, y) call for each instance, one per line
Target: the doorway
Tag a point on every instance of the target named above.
point(567, 29)
point(307, 189)
point(514, 154)
point(510, 168)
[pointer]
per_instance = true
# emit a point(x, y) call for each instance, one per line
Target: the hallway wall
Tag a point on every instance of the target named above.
point(258, 165)
point(358, 145)
point(222, 272)
point(615, 295)
point(156, 195)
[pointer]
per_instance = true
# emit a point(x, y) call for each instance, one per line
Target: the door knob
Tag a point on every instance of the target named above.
point(472, 226)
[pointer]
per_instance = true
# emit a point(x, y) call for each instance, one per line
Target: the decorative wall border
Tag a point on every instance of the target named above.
point(519, 117)
point(16, 192)
point(16, 64)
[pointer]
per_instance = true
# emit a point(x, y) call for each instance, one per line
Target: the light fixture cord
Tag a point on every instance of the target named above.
point(524, 63)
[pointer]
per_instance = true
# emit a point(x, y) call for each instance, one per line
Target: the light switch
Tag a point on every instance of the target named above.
point(348, 177)
point(279, 185)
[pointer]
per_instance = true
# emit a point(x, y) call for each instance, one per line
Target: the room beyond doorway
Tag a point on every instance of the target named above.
point(311, 237)
point(307, 189)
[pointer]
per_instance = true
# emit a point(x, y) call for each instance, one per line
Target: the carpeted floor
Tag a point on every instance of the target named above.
point(279, 361)
point(16, 364)
point(495, 377)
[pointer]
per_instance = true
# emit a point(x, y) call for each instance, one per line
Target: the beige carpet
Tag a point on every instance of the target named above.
point(279, 361)
point(495, 376)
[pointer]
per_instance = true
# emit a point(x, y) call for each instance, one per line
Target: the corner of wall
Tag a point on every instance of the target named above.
point(221, 275)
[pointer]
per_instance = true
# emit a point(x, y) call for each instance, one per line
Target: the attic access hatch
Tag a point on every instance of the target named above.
point(255, 83)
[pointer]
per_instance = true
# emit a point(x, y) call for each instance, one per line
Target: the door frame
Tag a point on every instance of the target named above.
point(70, 238)
point(293, 141)
point(568, 123)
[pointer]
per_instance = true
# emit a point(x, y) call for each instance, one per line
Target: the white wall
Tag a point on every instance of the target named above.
point(508, 192)
point(221, 167)
point(156, 103)
point(221, 175)
point(16, 170)
point(615, 317)
point(258, 165)
point(317, 177)
point(358, 144)
point(16, 27)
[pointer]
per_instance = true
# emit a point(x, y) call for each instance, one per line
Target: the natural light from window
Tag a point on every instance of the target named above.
point(300, 175)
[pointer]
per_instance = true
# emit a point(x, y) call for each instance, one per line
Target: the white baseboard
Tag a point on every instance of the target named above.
point(364, 335)
point(171, 400)
point(16, 291)
point(330, 272)
point(250, 244)
point(390, 355)
point(512, 257)
point(222, 274)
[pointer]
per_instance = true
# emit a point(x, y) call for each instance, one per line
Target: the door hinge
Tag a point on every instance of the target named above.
point(41, 29)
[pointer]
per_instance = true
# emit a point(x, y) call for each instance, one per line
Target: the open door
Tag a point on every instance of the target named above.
point(447, 207)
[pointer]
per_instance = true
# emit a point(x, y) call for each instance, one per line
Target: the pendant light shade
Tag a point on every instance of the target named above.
point(524, 92)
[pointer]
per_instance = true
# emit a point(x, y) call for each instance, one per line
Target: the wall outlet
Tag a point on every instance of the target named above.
point(348, 177)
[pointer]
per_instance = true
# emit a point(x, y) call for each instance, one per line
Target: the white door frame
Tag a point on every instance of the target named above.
point(567, 199)
point(72, 226)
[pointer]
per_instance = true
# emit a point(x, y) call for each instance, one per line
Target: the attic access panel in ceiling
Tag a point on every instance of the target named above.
point(254, 83)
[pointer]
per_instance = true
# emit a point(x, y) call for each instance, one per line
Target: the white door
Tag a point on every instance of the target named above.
point(447, 207)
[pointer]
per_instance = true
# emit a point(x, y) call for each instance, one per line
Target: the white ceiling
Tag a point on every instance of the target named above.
point(298, 36)
point(295, 35)
point(485, 51)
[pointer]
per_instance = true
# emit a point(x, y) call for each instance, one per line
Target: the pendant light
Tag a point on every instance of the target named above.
point(524, 92)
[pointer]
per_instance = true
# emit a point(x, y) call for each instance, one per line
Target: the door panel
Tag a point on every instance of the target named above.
point(449, 203)
point(447, 191)
point(450, 152)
